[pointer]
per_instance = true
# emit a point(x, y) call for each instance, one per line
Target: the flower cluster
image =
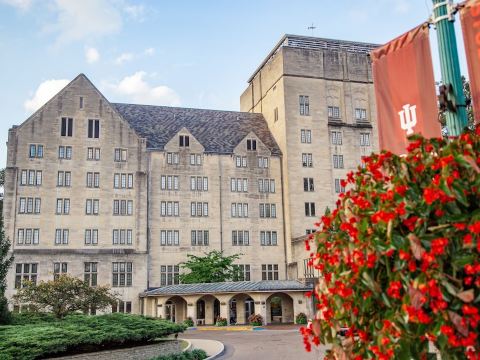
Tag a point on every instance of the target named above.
point(400, 256)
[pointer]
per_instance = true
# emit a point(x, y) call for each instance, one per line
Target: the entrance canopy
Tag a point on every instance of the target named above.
point(275, 301)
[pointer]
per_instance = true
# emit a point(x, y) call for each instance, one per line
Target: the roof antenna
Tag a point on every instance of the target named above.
point(312, 27)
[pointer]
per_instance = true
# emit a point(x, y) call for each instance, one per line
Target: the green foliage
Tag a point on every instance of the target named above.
point(188, 322)
point(221, 321)
point(400, 255)
point(64, 296)
point(255, 320)
point(196, 354)
point(301, 318)
point(29, 318)
point(79, 333)
point(213, 267)
point(6, 259)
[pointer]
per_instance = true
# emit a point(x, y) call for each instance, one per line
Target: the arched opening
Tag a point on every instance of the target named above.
point(241, 306)
point(174, 310)
point(208, 310)
point(279, 309)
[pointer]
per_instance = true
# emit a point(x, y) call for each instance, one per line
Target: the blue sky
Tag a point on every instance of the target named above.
point(186, 53)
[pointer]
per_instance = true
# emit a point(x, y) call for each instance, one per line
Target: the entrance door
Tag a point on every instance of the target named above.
point(249, 308)
point(170, 311)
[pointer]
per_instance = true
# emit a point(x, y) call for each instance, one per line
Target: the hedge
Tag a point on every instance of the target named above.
point(81, 333)
point(187, 355)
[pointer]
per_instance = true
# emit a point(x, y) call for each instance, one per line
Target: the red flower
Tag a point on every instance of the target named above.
point(475, 228)
point(430, 195)
point(394, 289)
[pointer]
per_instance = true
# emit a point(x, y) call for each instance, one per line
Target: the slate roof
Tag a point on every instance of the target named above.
point(218, 131)
point(229, 287)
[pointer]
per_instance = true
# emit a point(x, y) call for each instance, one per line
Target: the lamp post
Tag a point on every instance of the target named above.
point(443, 19)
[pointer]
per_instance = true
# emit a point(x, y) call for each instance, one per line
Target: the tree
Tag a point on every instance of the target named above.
point(400, 256)
point(468, 96)
point(64, 295)
point(213, 267)
point(6, 259)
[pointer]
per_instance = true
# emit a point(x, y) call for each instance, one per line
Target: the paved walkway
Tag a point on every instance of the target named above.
point(211, 347)
point(266, 344)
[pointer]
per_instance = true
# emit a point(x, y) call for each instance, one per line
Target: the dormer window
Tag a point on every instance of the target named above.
point(251, 144)
point(184, 141)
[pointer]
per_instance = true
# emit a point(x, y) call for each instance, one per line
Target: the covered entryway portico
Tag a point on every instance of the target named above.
point(276, 301)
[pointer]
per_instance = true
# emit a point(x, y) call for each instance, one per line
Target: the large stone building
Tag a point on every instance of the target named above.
point(119, 194)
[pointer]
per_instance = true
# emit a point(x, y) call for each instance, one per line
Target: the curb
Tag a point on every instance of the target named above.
point(220, 353)
point(189, 346)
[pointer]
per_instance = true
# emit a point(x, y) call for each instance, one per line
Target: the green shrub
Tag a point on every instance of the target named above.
point(80, 333)
point(29, 318)
point(188, 322)
point(255, 320)
point(221, 321)
point(301, 319)
point(187, 355)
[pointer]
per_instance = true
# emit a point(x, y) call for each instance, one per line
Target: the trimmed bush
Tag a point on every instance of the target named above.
point(221, 321)
point(30, 318)
point(187, 355)
point(188, 322)
point(301, 319)
point(81, 333)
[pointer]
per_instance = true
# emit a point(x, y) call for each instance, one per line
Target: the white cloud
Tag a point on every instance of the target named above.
point(78, 20)
point(123, 58)
point(138, 90)
point(136, 12)
point(149, 51)
point(91, 55)
point(45, 91)
point(19, 4)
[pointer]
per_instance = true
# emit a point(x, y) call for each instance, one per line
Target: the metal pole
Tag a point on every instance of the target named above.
point(447, 44)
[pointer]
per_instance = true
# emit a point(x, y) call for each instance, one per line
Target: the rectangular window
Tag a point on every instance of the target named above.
point(58, 269)
point(268, 238)
point(122, 181)
point(239, 185)
point(91, 236)
point(123, 207)
point(239, 210)
point(364, 139)
point(251, 144)
point(169, 275)
point(63, 207)
point(29, 205)
point(61, 236)
point(122, 237)
point(338, 186)
point(306, 136)
point(64, 178)
point(336, 138)
point(93, 128)
point(309, 209)
point(338, 161)
point(122, 307)
point(268, 211)
point(333, 112)
point(195, 159)
point(122, 274)
point(198, 209)
point(120, 155)
point(360, 114)
point(269, 272)
point(308, 185)
point(184, 141)
point(307, 160)
point(240, 238)
point(169, 238)
point(25, 272)
point(35, 151)
point(240, 161)
point(172, 158)
point(200, 237)
point(263, 162)
point(31, 178)
point(90, 273)
point(275, 114)
point(169, 208)
point(28, 236)
point(241, 272)
point(266, 185)
point(93, 180)
point(65, 152)
point(93, 153)
point(304, 105)
point(169, 182)
point(199, 183)
point(66, 127)
point(92, 206)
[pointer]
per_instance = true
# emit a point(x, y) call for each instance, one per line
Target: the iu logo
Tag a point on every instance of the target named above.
point(408, 118)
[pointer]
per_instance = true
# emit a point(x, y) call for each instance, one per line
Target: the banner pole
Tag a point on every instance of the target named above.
point(443, 19)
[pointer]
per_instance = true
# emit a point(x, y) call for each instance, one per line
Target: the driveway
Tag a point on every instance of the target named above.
point(275, 344)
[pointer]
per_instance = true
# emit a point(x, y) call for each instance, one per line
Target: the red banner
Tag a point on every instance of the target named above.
point(470, 15)
point(405, 90)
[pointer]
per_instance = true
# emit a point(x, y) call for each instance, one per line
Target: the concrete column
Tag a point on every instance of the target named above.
point(241, 311)
point(191, 307)
point(209, 316)
point(261, 305)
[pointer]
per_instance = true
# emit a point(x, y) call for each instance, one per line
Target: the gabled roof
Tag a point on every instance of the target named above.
point(230, 287)
point(218, 131)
